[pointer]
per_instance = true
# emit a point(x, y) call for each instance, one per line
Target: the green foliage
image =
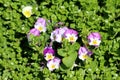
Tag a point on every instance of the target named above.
point(22, 60)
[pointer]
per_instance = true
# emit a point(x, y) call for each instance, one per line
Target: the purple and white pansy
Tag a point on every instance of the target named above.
point(84, 53)
point(94, 39)
point(49, 53)
point(40, 24)
point(71, 35)
point(53, 64)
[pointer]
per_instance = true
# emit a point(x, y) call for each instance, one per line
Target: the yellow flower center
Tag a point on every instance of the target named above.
point(53, 66)
point(49, 56)
point(71, 38)
point(94, 42)
point(40, 28)
point(85, 56)
point(27, 13)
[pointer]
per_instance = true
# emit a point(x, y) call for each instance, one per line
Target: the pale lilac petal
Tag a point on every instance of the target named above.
point(57, 60)
point(34, 31)
point(62, 30)
point(60, 23)
point(94, 35)
point(71, 31)
point(83, 50)
point(42, 21)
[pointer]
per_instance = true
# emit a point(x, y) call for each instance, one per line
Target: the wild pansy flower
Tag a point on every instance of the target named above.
point(84, 53)
point(57, 34)
point(53, 64)
point(48, 53)
point(94, 39)
point(34, 32)
point(27, 11)
point(40, 24)
point(71, 35)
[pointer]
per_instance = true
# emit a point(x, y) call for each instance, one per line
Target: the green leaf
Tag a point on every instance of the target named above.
point(75, 46)
point(63, 67)
point(62, 52)
point(69, 60)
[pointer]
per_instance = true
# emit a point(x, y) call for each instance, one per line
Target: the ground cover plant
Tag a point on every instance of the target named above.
point(59, 40)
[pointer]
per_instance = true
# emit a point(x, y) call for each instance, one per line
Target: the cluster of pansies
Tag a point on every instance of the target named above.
point(52, 61)
point(71, 35)
point(39, 26)
point(60, 33)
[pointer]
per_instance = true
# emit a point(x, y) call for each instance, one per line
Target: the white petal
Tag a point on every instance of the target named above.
point(83, 56)
point(49, 64)
point(97, 42)
point(74, 38)
point(52, 36)
point(58, 38)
